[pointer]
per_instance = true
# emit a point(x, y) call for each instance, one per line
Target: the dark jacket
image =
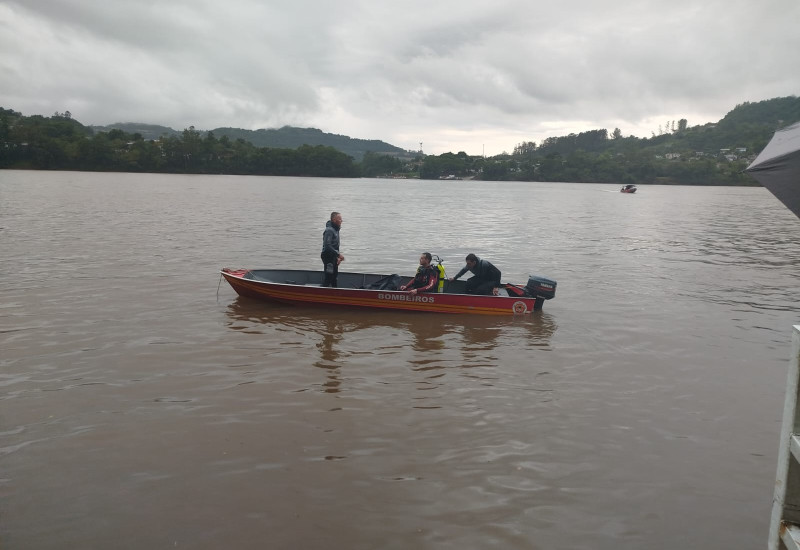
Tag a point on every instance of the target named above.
point(425, 280)
point(330, 239)
point(484, 270)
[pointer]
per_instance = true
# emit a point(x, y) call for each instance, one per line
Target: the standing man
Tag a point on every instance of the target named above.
point(485, 279)
point(331, 258)
point(426, 278)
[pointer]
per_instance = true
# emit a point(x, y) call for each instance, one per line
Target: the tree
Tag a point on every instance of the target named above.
point(495, 171)
point(524, 149)
point(61, 143)
point(374, 164)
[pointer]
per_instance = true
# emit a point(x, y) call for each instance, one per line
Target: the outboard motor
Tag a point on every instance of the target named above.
point(540, 287)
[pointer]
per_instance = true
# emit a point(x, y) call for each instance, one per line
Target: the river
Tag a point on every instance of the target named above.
point(145, 405)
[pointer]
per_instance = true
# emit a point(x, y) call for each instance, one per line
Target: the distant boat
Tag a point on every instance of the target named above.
point(630, 188)
point(367, 290)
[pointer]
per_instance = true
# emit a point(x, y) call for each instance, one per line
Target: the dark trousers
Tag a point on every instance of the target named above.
point(476, 285)
point(331, 274)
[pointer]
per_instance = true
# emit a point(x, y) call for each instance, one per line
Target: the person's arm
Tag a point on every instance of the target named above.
point(408, 284)
point(431, 280)
point(460, 273)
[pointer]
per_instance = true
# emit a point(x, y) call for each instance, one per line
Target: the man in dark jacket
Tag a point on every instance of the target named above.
point(485, 279)
point(331, 258)
point(426, 278)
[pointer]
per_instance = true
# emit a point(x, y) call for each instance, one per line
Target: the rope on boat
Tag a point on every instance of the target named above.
point(218, 285)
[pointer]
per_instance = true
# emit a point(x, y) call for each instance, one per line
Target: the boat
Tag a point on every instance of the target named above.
point(777, 167)
point(630, 188)
point(378, 291)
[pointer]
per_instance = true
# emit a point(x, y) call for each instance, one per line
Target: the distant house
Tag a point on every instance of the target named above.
point(673, 156)
point(741, 150)
point(731, 158)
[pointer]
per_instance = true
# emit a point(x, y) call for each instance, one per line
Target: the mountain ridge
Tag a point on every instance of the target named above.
point(286, 137)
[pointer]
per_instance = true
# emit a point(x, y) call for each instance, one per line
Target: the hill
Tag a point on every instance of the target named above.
point(714, 153)
point(288, 137)
point(708, 154)
point(147, 131)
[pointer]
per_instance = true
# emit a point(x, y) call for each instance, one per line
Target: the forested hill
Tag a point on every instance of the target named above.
point(713, 153)
point(290, 137)
point(146, 131)
point(287, 137)
point(776, 113)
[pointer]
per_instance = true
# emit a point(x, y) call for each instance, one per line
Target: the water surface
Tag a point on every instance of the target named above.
point(145, 405)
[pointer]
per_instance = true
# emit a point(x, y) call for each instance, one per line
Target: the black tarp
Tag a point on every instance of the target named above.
point(777, 167)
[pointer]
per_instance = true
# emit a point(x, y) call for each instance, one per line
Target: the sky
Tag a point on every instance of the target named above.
point(453, 75)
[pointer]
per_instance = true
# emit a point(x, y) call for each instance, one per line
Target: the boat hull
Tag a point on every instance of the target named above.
point(302, 288)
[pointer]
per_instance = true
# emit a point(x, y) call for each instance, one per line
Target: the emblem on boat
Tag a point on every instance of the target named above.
point(520, 307)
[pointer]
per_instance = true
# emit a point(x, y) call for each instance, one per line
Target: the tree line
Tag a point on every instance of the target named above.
point(62, 143)
point(711, 154)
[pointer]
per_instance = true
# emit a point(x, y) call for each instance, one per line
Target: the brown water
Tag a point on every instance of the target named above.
point(146, 406)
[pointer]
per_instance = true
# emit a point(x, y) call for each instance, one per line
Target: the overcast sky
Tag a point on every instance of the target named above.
point(456, 75)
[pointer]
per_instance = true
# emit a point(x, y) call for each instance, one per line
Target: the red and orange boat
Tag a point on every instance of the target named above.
point(368, 290)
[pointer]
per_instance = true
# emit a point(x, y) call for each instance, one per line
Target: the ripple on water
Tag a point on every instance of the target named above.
point(139, 386)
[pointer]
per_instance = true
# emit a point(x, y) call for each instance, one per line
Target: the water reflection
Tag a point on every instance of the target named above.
point(429, 345)
point(671, 349)
point(331, 335)
point(428, 332)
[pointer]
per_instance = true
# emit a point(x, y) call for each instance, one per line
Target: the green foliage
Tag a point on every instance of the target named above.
point(374, 165)
point(700, 155)
point(290, 137)
point(458, 165)
point(147, 131)
point(61, 143)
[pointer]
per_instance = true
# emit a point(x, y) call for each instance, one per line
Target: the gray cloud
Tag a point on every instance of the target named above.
point(449, 74)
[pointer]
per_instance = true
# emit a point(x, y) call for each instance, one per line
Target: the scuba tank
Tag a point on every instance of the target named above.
point(440, 273)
